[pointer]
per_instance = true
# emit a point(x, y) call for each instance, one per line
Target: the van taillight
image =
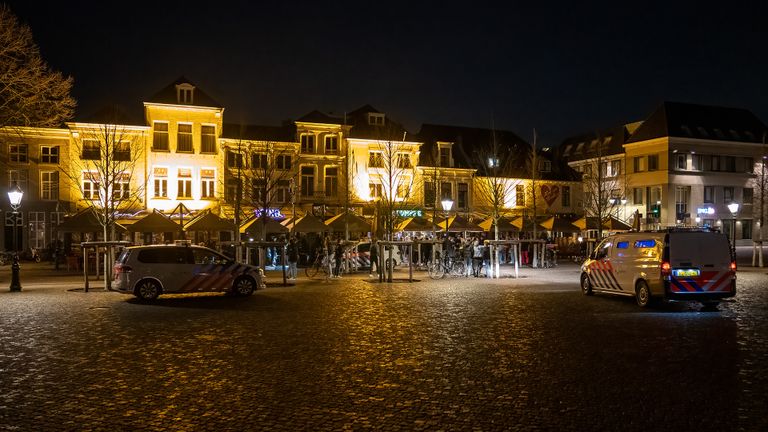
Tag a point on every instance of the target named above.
point(733, 266)
point(666, 269)
point(120, 268)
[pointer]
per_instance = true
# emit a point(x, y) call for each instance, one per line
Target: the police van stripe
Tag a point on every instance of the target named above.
point(603, 275)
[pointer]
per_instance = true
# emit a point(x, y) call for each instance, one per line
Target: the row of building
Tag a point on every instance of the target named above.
point(682, 165)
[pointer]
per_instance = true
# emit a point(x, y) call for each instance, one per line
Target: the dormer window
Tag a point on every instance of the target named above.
point(185, 93)
point(376, 119)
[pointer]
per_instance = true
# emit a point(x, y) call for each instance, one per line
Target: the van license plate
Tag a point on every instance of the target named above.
point(685, 272)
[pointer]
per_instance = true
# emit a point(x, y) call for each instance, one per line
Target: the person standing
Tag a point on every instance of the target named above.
point(374, 256)
point(477, 258)
point(338, 254)
point(293, 259)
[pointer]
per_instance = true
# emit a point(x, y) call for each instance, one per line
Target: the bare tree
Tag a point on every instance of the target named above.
point(103, 166)
point(31, 94)
point(397, 181)
point(600, 185)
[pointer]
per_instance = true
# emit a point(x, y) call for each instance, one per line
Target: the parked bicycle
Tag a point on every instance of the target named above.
point(441, 266)
point(319, 265)
point(6, 257)
point(550, 258)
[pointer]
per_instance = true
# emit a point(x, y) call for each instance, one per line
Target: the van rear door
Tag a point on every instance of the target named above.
point(700, 262)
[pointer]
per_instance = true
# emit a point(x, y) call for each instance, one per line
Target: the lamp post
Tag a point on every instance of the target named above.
point(733, 208)
point(14, 196)
point(447, 204)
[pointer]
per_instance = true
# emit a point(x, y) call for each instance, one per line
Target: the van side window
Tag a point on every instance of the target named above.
point(622, 245)
point(645, 243)
point(163, 256)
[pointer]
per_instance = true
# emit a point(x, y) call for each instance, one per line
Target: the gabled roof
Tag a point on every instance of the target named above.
point(595, 144)
point(169, 96)
point(113, 115)
point(319, 117)
point(361, 128)
point(285, 133)
point(685, 120)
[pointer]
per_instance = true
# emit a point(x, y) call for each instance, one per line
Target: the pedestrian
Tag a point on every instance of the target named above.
point(374, 256)
point(338, 254)
point(293, 259)
point(467, 249)
point(477, 257)
point(487, 258)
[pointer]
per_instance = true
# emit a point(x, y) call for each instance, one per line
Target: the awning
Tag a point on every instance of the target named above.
point(354, 223)
point(610, 224)
point(308, 223)
point(156, 223)
point(505, 225)
point(254, 225)
point(458, 224)
point(415, 224)
point(558, 224)
point(208, 221)
point(85, 221)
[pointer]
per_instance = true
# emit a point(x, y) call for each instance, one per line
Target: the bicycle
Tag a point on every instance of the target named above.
point(550, 258)
point(319, 265)
point(439, 267)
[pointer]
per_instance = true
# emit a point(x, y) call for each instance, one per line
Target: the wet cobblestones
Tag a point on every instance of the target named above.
point(454, 354)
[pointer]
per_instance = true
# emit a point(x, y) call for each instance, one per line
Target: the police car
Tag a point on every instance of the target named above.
point(149, 271)
point(674, 265)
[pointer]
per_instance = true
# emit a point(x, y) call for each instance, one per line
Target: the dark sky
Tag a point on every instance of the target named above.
point(560, 68)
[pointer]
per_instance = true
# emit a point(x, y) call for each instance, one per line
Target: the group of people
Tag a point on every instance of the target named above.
point(476, 254)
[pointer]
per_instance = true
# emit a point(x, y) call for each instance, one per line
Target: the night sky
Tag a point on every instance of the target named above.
point(560, 69)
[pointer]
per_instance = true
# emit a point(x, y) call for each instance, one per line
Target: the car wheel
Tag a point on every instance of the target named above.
point(244, 286)
point(586, 285)
point(147, 289)
point(642, 294)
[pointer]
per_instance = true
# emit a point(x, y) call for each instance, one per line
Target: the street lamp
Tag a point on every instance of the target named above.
point(733, 208)
point(14, 196)
point(447, 204)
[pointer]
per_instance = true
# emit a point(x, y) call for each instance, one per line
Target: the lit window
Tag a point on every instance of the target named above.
point(49, 154)
point(90, 185)
point(160, 182)
point(375, 159)
point(160, 136)
point(331, 144)
point(307, 143)
point(184, 138)
point(91, 149)
point(331, 181)
point(207, 139)
point(49, 185)
point(122, 187)
point(184, 183)
point(207, 183)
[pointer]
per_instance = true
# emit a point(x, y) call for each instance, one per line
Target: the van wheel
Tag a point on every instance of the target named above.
point(586, 285)
point(244, 286)
point(147, 290)
point(642, 294)
point(709, 305)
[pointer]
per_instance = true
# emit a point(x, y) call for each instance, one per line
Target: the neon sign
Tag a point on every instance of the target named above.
point(272, 213)
point(409, 213)
point(705, 210)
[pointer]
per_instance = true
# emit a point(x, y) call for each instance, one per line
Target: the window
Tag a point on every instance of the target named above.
point(681, 162)
point(728, 163)
point(184, 138)
point(184, 182)
point(375, 159)
point(90, 185)
point(122, 187)
point(746, 229)
point(376, 190)
point(91, 150)
point(259, 190)
point(283, 162)
point(18, 153)
point(655, 195)
point(37, 229)
point(207, 139)
point(160, 175)
point(404, 188)
point(307, 143)
point(727, 195)
point(749, 165)
point(709, 194)
point(376, 119)
point(331, 181)
point(520, 195)
point(445, 156)
point(445, 191)
point(308, 181)
point(637, 195)
point(234, 160)
point(184, 93)
point(429, 194)
point(233, 190)
point(283, 192)
point(49, 185)
point(462, 196)
point(403, 161)
point(160, 136)
point(682, 197)
point(122, 151)
point(49, 154)
point(615, 168)
point(545, 166)
point(566, 198)
point(715, 163)
point(706, 163)
point(207, 183)
point(331, 144)
point(696, 162)
point(653, 162)
point(259, 161)
point(638, 164)
point(748, 195)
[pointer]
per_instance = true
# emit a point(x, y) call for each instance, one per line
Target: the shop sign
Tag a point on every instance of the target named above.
point(705, 211)
point(272, 213)
point(409, 213)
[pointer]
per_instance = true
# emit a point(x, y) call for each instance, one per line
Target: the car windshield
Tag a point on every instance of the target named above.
point(204, 256)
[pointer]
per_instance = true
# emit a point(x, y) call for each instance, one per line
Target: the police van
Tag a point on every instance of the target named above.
point(149, 271)
point(673, 265)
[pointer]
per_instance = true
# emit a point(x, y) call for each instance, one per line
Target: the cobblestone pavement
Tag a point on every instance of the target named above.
point(455, 354)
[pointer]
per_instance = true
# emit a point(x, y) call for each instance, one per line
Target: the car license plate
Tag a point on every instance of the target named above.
point(685, 272)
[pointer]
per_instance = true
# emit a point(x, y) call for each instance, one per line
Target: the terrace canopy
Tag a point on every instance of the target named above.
point(354, 223)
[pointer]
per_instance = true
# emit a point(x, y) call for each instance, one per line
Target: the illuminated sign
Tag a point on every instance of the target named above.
point(705, 210)
point(409, 213)
point(272, 213)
